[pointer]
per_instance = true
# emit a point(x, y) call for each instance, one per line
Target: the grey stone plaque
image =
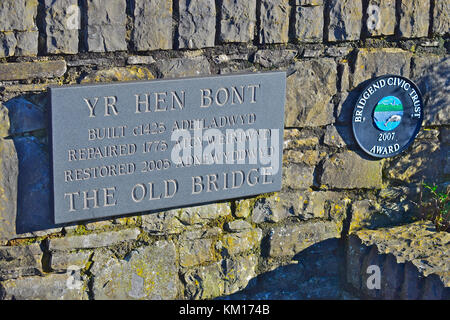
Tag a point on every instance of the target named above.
point(132, 147)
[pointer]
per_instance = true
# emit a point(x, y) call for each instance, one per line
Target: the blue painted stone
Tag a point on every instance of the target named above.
point(24, 116)
point(33, 199)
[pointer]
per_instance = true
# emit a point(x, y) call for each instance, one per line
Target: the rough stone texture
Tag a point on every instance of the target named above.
point(413, 22)
point(175, 221)
point(106, 25)
point(93, 240)
point(18, 15)
point(339, 136)
point(434, 84)
point(19, 261)
point(183, 67)
point(270, 58)
point(32, 70)
point(62, 25)
point(381, 17)
point(424, 160)
point(61, 261)
point(194, 252)
point(309, 92)
point(146, 273)
point(237, 20)
point(8, 187)
point(8, 44)
point(274, 21)
point(376, 62)
point(19, 43)
point(239, 242)
point(309, 24)
point(441, 17)
point(345, 20)
point(4, 121)
point(119, 74)
point(343, 171)
point(291, 239)
point(221, 278)
point(152, 24)
point(25, 116)
point(197, 24)
point(50, 287)
point(413, 259)
point(297, 176)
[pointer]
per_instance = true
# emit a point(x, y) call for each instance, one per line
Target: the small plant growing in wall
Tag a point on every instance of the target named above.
point(436, 207)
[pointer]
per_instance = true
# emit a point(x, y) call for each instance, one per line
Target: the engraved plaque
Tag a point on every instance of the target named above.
point(132, 147)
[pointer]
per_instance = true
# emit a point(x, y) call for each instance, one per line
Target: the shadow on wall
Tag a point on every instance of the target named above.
point(312, 274)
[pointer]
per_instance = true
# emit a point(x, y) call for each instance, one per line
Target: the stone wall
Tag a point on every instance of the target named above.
point(291, 244)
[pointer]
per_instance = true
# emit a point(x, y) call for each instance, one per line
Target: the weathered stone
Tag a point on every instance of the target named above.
point(419, 252)
point(309, 24)
point(201, 215)
point(32, 70)
point(381, 18)
point(197, 24)
point(376, 62)
point(162, 223)
point(106, 25)
point(62, 261)
point(369, 214)
point(274, 21)
point(294, 138)
point(50, 287)
point(432, 80)
point(308, 157)
point(338, 136)
point(297, 176)
point(8, 44)
point(93, 240)
point(243, 208)
point(62, 24)
point(275, 208)
point(27, 43)
point(420, 162)
point(238, 242)
point(441, 17)
point(152, 24)
point(309, 2)
point(345, 20)
point(148, 273)
point(20, 261)
point(414, 18)
point(343, 171)
point(309, 92)
point(322, 204)
point(8, 187)
point(338, 51)
point(25, 116)
point(119, 74)
point(194, 252)
point(237, 20)
point(221, 278)
point(4, 121)
point(18, 15)
point(291, 239)
point(184, 67)
point(237, 225)
point(270, 58)
point(140, 60)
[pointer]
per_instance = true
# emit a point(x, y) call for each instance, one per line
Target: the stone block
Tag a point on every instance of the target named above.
point(274, 21)
point(270, 58)
point(309, 24)
point(18, 15)
point(291, 239)
point(345, 20)
point(146, 273)
point(309, 91)
point(195, 252)
point(343, 171)
point(93, 240)
point(106, 25)
point(152, 25)
point(183, 67)
point(414, 18)
point(197, 24)
point(441, 17)
point(20, 261)
point(296, 176)
point(237, 20)
point(62, 261)
point(376, 62)
point(32, 70)
point(239, 242)
point(381, 17)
